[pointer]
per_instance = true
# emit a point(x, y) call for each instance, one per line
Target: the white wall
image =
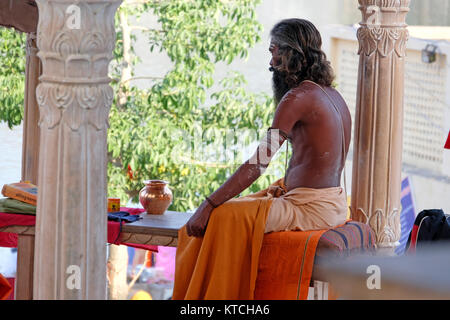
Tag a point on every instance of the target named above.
point(10, 154)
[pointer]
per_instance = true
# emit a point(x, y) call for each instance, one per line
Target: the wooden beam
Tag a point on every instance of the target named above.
point(30, 141)
point(25, 264)
point(19, 14)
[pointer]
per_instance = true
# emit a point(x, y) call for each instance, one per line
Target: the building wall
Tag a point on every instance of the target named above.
point(429, 12)
point(426, 112)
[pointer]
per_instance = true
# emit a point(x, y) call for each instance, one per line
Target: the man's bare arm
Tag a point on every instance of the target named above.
point(289, 111)
point(244, 176)
point(251, 170)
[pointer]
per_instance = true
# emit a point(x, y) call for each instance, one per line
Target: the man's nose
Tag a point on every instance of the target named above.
point(271, 69)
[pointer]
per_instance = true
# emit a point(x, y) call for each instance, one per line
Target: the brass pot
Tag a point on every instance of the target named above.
point(156, 196)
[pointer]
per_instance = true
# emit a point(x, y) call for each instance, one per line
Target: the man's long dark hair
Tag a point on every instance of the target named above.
point(302, 58)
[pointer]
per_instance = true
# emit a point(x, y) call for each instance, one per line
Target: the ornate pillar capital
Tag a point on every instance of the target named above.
point(383, 27)
point(390, 13)
point(75, 44)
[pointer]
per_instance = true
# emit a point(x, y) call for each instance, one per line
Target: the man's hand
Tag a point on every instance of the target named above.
point(196, 226)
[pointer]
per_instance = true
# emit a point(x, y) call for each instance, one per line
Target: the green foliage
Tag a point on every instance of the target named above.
point(182, 129)
point(12, 76)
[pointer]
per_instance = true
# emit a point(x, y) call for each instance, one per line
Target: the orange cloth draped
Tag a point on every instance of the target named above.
point(5, 288)
point(286, 264)
point(224, 263)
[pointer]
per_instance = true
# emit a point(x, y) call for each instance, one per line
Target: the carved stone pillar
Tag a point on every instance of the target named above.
point(30, 144)
point(377, 157)
point(75, 41)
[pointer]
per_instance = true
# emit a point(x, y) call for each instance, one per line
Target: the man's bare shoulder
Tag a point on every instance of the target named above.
point(299, 97)
point(295, 105)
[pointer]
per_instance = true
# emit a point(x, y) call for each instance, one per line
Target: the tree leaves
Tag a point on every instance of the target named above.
point(12, 76)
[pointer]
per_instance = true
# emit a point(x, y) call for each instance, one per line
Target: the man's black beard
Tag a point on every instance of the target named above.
point(279, 86)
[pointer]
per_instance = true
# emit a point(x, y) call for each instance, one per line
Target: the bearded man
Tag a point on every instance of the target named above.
point(219, 247)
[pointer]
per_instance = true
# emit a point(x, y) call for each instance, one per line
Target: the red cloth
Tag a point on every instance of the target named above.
point(114, 229)
point(10, 219)
point(447, 144)
point(5, 288)
point(12, 284)
point(413, 243)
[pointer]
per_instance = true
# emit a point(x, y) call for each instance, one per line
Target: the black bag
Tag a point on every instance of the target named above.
point(123, 216)
point(430, 226)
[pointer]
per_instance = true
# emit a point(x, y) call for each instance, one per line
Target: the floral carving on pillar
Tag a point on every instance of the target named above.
point(377, 161)
point(75, 40)
point(75, 63)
